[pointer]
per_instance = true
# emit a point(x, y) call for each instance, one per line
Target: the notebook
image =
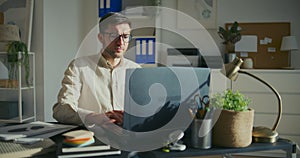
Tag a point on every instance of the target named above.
point(96, 149)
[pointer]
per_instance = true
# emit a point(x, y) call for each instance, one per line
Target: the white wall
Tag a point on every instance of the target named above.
point(59, 28)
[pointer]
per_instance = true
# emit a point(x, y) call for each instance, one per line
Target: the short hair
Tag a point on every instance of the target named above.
point(114, 19)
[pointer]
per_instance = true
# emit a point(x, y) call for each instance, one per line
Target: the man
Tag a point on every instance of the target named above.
point(93, 86)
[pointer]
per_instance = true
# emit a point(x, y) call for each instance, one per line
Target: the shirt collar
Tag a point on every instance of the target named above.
point(106, 64)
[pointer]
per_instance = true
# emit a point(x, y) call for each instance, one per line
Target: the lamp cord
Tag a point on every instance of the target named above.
point(276, 93)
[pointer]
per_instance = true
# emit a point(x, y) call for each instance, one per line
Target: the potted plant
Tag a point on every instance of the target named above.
point(17, 53)
point(230, 36)
point(151, 7)
point(235, 122)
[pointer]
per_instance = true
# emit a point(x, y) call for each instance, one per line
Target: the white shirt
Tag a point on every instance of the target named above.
point(91, 85)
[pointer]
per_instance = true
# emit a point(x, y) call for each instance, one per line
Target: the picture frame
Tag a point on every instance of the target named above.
point(20, 13)
point(203, 11)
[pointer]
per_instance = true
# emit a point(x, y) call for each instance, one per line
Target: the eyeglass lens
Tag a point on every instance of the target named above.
point(113, 36)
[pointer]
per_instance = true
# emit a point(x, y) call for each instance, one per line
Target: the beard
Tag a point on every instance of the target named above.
point(113, 52)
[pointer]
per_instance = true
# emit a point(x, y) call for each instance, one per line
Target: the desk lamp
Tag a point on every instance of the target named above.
point(259, 134)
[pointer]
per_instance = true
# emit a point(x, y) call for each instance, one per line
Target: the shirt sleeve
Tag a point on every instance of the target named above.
point(66, 109)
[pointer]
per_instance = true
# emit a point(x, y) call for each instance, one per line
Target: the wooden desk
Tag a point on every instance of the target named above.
point(285, 145)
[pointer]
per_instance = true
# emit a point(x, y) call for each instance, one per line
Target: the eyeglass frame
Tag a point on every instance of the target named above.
point(114, 36)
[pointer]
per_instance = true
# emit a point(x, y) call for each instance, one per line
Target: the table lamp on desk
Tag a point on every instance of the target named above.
point(259, 134)
point(289, 43)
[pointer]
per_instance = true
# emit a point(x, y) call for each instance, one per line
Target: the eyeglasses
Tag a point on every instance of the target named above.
point(113, 36)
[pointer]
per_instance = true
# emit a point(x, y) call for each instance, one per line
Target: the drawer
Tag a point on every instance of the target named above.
point(288, 124)
point(267, 103)
point(283, 82)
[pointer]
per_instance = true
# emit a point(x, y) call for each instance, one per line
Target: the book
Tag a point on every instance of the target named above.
point(90, 154)
point(96, 149)
point(98, 145)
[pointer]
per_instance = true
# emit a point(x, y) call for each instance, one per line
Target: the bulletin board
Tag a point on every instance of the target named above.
point(268, 55)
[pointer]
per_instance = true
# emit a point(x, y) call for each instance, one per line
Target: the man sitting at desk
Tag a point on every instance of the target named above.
point(93, 86)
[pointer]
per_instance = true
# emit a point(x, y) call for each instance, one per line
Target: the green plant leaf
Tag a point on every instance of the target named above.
point(13, 49)
point(230, 100)
point(232, 35)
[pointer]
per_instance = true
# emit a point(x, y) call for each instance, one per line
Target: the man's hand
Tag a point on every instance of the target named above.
point(115, 116)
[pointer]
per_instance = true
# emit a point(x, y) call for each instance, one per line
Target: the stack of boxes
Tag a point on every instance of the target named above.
point(8, 33)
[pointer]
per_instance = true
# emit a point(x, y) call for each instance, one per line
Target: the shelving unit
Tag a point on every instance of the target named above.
point(145, 35)
point(23, 96)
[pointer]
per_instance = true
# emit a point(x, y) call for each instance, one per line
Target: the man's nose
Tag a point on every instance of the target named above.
point(120, 39)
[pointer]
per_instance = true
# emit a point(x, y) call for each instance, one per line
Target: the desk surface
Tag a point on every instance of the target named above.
point(282, 144)
point(285, 145)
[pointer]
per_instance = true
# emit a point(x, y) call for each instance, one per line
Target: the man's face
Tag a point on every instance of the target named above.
point(115, 39)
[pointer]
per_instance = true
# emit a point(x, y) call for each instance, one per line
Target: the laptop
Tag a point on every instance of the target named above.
point(156, 107)
point(159, 98)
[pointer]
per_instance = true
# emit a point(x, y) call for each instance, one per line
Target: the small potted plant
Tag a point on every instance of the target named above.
point(17, 53)
point(235, 122)
point(230, 36)
point(151, 7)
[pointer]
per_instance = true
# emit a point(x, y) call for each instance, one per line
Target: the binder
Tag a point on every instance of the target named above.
point(106, 6)
point(145, 50)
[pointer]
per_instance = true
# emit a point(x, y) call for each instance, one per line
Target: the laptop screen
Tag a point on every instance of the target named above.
point(154, 97)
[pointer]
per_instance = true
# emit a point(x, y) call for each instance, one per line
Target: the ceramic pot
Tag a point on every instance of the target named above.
point(229, 57)
point(248, 63)
point(233, 129)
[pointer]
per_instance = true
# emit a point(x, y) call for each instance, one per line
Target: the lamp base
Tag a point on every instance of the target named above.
point(264, 135)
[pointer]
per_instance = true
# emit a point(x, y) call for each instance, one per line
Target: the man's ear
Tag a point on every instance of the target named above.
point(100, 37)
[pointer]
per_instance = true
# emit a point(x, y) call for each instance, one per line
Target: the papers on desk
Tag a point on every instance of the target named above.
point(26, 140)
point(11, 136)
point(33, 130)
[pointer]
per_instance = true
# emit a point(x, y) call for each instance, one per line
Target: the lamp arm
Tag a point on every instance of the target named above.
point(276, 93)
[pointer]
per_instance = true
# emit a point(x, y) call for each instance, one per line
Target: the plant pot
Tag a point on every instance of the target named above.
point(233, 129)
point(230, 47)
point(229, 57)
point(9, 83)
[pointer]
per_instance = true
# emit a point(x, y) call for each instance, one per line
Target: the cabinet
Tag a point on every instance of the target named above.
point(264, 101)
point(18, 104)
